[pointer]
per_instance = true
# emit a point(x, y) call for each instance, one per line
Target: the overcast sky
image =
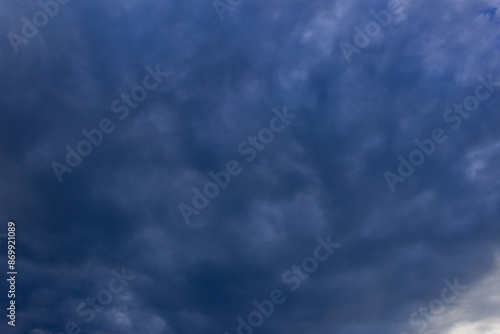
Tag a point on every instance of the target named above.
point(169, 165)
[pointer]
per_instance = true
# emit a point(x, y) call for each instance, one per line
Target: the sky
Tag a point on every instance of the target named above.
point(240, 167)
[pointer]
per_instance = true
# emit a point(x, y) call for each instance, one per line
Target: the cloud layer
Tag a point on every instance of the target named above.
point(322, 175)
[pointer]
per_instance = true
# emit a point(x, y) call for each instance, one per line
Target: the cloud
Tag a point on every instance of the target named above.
point(322, 176)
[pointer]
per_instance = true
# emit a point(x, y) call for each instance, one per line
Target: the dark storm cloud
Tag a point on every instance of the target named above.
point(323, 175)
